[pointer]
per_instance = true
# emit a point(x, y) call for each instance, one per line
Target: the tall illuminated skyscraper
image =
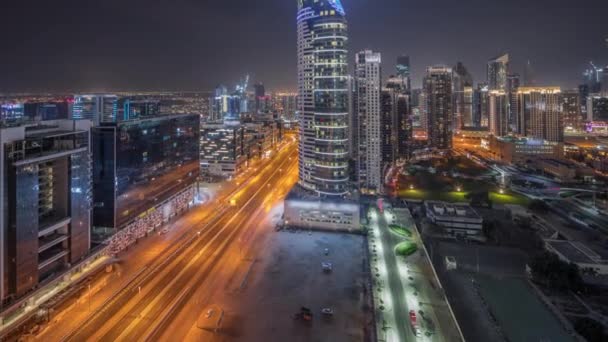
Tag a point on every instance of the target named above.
point(440, 116)
point(323, 97)
point(498, 69)
point(368, 80)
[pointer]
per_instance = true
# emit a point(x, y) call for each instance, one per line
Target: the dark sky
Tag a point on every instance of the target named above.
point(194, 45)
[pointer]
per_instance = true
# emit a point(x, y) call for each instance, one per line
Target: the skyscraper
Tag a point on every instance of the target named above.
point(438, 92)
point(529, 75)
point(497, 71)
point(539, 113)
point(498, 106)
point(573, 118)
point(368, 82)
point(323, 97)
point(513, 83)
point(97, 108)
point(461, 79)
point(260, 93)
point(404, 72)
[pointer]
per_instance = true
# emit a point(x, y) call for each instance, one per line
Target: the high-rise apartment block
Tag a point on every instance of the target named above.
point(440, 119)
point(368, 79)
point(323, 97)
point(499, 115)
point(539, 114)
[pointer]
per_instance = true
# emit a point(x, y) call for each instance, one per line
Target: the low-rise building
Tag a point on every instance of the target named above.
point(222, 151)
point(577, 253)
point(305, 210)
point(514, 150)
point(459, 220)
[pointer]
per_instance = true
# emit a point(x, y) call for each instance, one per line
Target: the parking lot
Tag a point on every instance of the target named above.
point(289, 275)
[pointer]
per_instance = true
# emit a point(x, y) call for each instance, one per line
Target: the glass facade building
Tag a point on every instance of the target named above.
point(46, 202)
point(323, 97)
point(140, 164)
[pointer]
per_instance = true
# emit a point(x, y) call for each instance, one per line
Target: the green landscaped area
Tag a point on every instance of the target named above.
point(520, 313)
point(453, 196)
point(406, 248)
point(401, 231)
point(452, 181)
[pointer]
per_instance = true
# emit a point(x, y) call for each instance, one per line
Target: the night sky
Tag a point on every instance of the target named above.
point(65, 45)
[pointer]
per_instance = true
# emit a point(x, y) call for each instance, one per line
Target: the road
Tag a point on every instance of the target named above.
point(156, 292)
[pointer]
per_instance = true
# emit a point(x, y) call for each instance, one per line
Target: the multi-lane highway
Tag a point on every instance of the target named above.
point(156, 292)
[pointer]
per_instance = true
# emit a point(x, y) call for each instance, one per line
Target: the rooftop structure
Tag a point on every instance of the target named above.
point(579, 254)
point(459, 220)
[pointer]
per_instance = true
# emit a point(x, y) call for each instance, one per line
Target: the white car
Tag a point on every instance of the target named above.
point(327, 311)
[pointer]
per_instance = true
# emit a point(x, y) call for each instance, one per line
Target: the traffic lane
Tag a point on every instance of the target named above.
point(248, 190)
point(136, 311)
point(230, 272)
point(399, 302)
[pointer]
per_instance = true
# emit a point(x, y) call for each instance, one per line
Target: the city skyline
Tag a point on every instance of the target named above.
point(167, 47)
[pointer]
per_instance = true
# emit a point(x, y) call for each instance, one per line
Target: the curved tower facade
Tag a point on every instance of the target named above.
point(323, 97)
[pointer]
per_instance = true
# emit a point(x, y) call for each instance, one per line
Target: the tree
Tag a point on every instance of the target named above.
point(550, 270)
point(479, 199)
point(590, 329)
point(538, 205)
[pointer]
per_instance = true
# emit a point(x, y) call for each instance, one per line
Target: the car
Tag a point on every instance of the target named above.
point(326, 251)
point(327, 311)
point(164, 231)
point(327, 267)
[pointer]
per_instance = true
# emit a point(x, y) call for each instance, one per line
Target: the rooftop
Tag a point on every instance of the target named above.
point(445, 209)
point(575, 251)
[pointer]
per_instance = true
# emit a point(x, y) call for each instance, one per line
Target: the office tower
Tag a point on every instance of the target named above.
point(45, 202)
point(133, 109)
point(597, 108)
point(529, 75)
point(513, 83)
point(11, 113)
point(323, 97)
point(423, 112)
point(573, 118)
point(368, 83)
point(286, 105)
point(497, 71)
point(481, 106)
point(139, 168)
point(468, 110)
point(539, 113)
point(583, 93)
point(438, 91)
point(461, 79)
point(498, 113)
point(222, 151)
point(593, 78)
point(42, 111)
point(260, 94)
point(404, 72)
point(97, 108)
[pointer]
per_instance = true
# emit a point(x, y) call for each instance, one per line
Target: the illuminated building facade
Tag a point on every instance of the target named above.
point(539, 113)
point(45, 202)
point(323, 97)
point(97, 108)
point(497, 71)
point(499, 115)
point(140, 164)
point(368, 81)
point(440, 115)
